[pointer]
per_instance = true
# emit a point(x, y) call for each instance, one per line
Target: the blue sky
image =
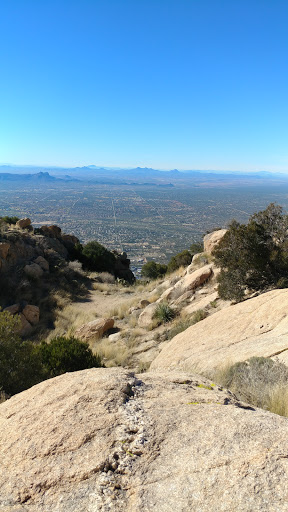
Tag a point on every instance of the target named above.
point(187, 84)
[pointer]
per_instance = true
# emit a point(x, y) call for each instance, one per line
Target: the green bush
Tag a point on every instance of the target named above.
point(10, 220)
point(196, 248)
point(182, 259)
point(253, 256)
point(164, 313)
point(153, 270)
point(24, 364)
point(97, 258)
point(20, 366)
point(63, 355)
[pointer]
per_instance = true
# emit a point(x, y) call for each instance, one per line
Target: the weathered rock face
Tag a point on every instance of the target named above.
point(212, 239)
point(104, 440)
point(256, 327)
point(94, 330)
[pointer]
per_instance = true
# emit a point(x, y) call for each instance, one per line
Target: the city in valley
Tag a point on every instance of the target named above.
point(150, 220)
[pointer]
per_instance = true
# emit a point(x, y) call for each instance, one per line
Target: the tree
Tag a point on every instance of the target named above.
point(153, 270)
point(253, 256)
point(182, 259)
point(98, 258)
point(67, 355)
point(20, 365)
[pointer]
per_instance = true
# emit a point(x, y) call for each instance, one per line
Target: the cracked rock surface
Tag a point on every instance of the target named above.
point(107, 440)
point(255, 327)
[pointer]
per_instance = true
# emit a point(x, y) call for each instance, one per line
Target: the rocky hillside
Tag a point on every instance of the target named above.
point(114, 439)
point(35, 271)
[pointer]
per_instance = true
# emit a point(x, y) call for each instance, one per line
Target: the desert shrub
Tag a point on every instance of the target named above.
point(182, 259)
point(196, 248)
point(10, 220)
point(186, 322)
point(164, 313)
point(20, 365)
point(253, 256)
point(106, 277)
point(67, 355)
point(96, 257)
point(153, 270)
point(259, 381)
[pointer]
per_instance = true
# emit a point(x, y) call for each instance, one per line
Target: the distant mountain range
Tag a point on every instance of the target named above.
point(137, 176)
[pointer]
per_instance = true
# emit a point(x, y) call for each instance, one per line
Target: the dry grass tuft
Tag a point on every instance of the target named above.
point(259, 381)
point(63, 325)
point(111, 353)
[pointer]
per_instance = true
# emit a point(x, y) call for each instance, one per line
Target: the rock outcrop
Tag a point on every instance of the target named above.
point(256, 327)
point(23, 223)
point(105, 440)
point(212, 239)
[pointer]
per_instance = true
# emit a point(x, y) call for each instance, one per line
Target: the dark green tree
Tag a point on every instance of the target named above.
point(98, 258)
point(67, 355)
point(20, 365)
point(153, 270)
point(182, 259)
point(253, 256)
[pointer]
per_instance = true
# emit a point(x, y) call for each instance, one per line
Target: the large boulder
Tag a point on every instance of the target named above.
point(212, 239)
point(31, 314)
point(33, 271)
point(51, 231)
point(256, 327)
point(105, 440)
point(23, 223)
point(4, 250)
point(43, 263)
point(94, 330)
point(195, 279)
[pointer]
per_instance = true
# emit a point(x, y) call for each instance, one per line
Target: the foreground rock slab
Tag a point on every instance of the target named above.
point(256, 327)
point(105, 440)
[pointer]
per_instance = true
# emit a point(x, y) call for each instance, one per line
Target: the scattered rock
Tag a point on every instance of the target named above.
point(4, 250)
point(95, 329)
point(43, 263)
point(103, 439)
point(25, 326)
point(33, 271)
point(143, 303)
point(146, 317)
point(115, 337)
point(31, 314)
point(23, 223)
point(212, 239)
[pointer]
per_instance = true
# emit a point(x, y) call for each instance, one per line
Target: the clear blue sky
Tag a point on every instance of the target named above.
point(187, 84)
